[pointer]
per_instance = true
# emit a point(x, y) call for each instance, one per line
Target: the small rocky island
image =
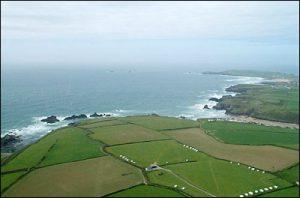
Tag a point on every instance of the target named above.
point(73, 117)
point(50, 119)
point(205, 107)
point(94, 115)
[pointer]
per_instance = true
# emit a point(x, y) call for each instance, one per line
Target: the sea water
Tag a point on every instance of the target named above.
point(29, 96)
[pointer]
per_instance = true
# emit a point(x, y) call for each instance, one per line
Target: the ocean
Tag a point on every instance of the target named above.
point(29, 96)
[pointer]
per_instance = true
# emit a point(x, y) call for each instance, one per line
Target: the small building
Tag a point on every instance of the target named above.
point(152, 167)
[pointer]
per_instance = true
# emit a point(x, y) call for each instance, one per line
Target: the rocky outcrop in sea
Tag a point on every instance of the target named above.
point(50, 119)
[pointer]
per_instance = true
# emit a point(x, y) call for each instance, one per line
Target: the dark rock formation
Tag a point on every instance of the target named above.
point(205, 107)
point(223, 106)
point(107, 115)
point(9, 139)
point(214, 99)
point(50, 119)
point(182, 117)
point(96, 115)
point(73, 117)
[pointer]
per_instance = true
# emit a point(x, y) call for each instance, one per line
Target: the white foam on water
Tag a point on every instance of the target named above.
point(36, 129)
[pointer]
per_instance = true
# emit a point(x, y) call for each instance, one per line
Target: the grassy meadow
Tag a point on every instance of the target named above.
point(8, 179)
point(288, 192)
point(252, 134)
point(160, 152)
point(278, 158)
point(84, 160)
point(72, 144)
point(146, 191)
point(160, 122)
point(125, 134)
point(291, 174)
point(92, 177)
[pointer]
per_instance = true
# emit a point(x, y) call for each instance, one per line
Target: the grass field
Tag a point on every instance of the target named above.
point(147, 191)
point(160, 122)
point(289, 192)
point(93, 177)
point(8, 179)
point(165, 178)
point(72, 161)
point(147, 153)
point(124, 134)
point(72, 144)
point(102, 124)
point(31, 156)
point(63, 145)
point(214, 175)
point(253, 134)
point(94, 120)
point(290, 174)
point(269, 158)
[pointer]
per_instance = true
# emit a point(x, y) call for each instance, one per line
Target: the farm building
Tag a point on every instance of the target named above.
point(152, 167)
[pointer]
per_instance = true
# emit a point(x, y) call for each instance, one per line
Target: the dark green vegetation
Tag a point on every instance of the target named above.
point(85, 159)
point(147, 191)
point(278, 103)
point(253, 134)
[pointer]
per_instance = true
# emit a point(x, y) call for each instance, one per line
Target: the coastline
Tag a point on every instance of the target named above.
point(34, 134)
point(239, 108)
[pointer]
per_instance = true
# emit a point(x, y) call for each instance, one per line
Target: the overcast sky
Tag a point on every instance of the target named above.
point(216, 35)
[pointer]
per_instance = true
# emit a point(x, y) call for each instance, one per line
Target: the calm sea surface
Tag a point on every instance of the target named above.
point(29, 96)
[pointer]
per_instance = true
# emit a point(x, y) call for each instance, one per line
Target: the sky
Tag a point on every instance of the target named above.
point(137, 35)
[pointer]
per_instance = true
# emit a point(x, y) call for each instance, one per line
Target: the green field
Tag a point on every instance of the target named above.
point(147, 191)
point(72, 144)
point(253, 134)
point(214, 175)
point(87, 178)
point(84, 160)
point(161, 152)
point(8, 179)
point(289, 192)
point(277, 158)
point(31, 156)
point(165, 178)
point(291, 174)
point(125, 134)
point(93, 120)
point(102, 124)
point(64, 145)
point(160, 122)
